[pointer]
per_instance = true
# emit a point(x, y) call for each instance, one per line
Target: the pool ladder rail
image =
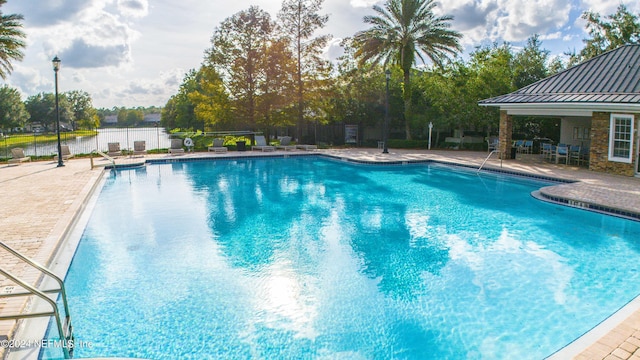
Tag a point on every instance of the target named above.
point(485, 161)
point(112, 161)
point(65, 329)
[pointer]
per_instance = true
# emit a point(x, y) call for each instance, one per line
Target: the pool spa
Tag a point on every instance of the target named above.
point(310, 257)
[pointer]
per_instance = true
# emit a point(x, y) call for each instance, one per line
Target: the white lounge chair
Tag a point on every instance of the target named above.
point(139, 147)
point(17, 156)
point(285, 144)
point(261, 144)
point(114, 149)
point(218, 146)
point(176, 147)
point(306, 147)
point(66, 153)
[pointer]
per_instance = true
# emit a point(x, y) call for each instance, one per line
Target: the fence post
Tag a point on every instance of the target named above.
point(97, 146)
point(128, 140)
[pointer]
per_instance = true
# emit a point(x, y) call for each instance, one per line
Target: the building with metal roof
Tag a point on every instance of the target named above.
point(599, 104)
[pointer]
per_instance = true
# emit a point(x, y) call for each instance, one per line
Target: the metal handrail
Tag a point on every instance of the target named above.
point(31, 290)
point(43, 270)
point(54, 312)
point(485, 160)
point(96, 151)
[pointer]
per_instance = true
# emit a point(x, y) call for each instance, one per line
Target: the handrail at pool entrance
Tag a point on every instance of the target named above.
point(65, 332)
point(105, 156)
point(485, 160)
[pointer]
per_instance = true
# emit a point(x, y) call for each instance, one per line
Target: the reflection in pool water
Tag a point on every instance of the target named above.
point(312, 258)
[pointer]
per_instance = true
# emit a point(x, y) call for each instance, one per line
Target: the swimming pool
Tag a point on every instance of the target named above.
point(315, 258)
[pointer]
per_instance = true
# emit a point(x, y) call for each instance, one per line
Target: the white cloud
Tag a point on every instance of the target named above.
point(133, 52)
point(605, 8)
point(551, 36)
point(363, 3)
point(509, 20)
point(521, 19)
point(29, 81)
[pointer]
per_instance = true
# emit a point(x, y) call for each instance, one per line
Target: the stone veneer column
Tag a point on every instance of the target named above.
point(505, 135)
point(599, 146)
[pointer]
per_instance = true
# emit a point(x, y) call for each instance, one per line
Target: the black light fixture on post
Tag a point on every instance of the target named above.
point(56, 67)
point(385, 136)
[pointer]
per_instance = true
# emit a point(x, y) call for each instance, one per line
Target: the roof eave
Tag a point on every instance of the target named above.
point(563, 109)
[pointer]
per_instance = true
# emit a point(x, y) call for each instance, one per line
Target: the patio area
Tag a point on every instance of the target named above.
point(41, 203)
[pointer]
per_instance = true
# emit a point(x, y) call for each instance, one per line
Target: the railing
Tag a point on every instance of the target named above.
point(485, 160)
point(44, 145)
point(65, 332)
point(103, 155)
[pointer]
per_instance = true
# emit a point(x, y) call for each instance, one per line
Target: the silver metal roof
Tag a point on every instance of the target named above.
point(611, 78)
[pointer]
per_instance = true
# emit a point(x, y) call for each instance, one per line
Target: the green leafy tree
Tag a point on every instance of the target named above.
point(169, 113)
point(122, 117)
point(12, 110)
point(84, 113)
point(359, 92)
point(135, 117)
point(530, 64)
point(130, 117)
point(555, 66)
point(300, 20)
point(42, 110)
point(179, 111)
point(210, 99)
point(238, 54)
point(488, 72)
point(11, 41)
point(615, 30)
point(403, 32)
point(278, 88)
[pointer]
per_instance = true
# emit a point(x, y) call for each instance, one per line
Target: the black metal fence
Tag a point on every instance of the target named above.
point(46, 145)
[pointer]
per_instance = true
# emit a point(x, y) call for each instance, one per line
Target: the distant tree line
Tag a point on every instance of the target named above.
point(268, 74)
point(264, 74)
point(127, 117)
point(76, 111)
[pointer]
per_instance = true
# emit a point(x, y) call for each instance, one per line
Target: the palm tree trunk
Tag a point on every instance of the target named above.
point(407, 102)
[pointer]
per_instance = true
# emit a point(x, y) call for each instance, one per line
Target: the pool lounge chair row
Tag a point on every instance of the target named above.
point(139, 148)
point(18, 156)
point(285, 144)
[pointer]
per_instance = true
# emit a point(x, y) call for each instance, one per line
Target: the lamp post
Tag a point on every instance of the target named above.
point(385, 136)
point(56, 67)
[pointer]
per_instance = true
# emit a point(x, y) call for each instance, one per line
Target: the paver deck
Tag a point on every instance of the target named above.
point(40, 202)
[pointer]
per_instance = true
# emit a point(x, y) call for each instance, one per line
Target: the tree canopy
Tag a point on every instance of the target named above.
point(11, 40)
point(403, 32)
point(609, 33)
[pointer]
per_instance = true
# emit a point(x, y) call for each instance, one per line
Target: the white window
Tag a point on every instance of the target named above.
point(621, 138)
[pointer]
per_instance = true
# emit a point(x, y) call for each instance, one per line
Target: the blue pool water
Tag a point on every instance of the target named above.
point(319, 259)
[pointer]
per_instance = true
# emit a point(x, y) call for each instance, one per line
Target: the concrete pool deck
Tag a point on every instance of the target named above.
point(40, 203)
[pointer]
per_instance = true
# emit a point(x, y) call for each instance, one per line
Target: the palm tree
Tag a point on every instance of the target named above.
point(11, 36)
point(402, 32)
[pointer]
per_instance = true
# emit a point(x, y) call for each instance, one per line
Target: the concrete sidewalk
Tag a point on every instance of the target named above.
point(40, 202)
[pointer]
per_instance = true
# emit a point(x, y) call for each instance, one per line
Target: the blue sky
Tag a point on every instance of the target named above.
point(136, 52)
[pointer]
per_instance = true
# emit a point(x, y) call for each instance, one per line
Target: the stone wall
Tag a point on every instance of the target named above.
point(506, 134)
point(599, 152)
